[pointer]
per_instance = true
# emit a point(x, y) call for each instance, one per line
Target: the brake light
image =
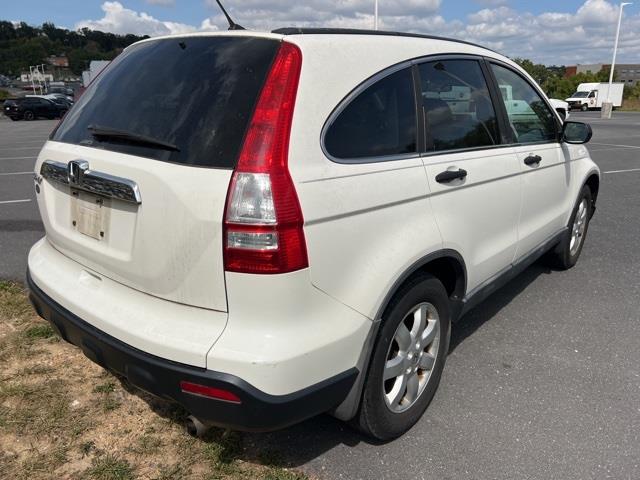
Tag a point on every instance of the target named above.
point(263, 223)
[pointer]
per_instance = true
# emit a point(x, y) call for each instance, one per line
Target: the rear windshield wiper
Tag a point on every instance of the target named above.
point(107, 132)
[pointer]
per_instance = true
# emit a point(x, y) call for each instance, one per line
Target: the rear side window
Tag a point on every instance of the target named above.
point(457, 106)
point(531, 119)
point(195, 93)
point(380, 121)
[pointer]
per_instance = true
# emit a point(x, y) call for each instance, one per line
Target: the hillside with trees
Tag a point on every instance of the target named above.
point(22, 45)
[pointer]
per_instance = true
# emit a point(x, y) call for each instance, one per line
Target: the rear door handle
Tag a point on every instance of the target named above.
point(450, 175)
point(533, 160)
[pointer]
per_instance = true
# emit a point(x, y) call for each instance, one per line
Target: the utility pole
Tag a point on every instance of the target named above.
point(375, 15)
point(608, 107)
point(33, 85)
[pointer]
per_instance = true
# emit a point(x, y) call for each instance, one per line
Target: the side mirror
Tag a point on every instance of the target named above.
point(576, 132)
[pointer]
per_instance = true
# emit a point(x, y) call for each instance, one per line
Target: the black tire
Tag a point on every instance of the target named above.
point(561, 256)
point(375, 418)
point(28, 115)
point(584, 107)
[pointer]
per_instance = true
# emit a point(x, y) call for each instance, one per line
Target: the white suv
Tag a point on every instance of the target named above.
point(267, 226)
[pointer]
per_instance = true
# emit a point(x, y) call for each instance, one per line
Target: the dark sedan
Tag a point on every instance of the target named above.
point(30, 108)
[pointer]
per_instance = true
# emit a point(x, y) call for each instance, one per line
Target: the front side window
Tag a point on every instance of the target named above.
point(531, 119)
point(380, 121)
point(457, 106)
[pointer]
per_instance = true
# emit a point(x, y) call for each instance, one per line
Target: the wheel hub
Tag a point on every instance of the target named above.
point(411, 357)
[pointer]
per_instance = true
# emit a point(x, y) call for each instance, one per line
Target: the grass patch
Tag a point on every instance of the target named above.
point(87, 447)
point(630, 105)
point(36, 370)
point(108, 401)
point(109, 404)
point(148, 444)
point(14, 304)
point(174, 472)
point(54, 420)
point(40, 408)
point(110, 467)
point(220, 451)
point(108, 387)
point(282, 474)
point(43, 463)
point(39, 332)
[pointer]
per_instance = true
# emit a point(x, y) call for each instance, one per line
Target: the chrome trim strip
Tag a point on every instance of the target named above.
point(99, 183)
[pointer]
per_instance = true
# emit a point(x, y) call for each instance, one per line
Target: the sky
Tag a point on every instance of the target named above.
point(550, 32)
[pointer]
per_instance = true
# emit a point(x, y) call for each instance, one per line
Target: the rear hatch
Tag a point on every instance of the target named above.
point(134, 180)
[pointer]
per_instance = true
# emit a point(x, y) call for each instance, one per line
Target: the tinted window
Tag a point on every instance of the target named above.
point(457, 106)
point(530, 118)
point(380, 121)
point(196, 93)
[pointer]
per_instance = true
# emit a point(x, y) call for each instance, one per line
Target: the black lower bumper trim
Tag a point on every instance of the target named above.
point(258, 411)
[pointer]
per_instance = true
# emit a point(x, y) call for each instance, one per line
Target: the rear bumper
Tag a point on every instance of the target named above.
point(258, 411)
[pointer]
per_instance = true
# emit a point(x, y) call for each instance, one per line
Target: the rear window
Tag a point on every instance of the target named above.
point(197, 93)
point(380, 121)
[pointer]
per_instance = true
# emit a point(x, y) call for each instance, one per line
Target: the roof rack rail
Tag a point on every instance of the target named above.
point(356, 31)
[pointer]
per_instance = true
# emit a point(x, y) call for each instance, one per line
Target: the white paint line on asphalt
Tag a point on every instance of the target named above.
point(15, 201)
point(612, 145)
point(17, 158)
point(624, 171)
point(608, 149)
point(15, 173)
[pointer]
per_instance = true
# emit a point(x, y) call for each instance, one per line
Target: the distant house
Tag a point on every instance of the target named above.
point(58, 61)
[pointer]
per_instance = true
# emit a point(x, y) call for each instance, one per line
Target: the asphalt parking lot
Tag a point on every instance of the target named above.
point(543, 378)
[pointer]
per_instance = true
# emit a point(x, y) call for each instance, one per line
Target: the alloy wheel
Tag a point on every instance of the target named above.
point(579, 227)
point(411, 357)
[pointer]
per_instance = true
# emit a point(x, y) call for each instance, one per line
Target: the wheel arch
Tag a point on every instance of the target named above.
point(446, 265)
point(593, 182)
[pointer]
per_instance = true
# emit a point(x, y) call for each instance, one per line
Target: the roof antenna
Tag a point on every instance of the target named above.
point(232, 25)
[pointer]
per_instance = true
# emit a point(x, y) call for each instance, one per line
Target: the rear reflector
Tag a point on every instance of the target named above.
point(209, 392)
point(263, 226)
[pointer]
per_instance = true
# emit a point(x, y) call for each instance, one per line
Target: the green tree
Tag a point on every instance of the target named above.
point(22, 45)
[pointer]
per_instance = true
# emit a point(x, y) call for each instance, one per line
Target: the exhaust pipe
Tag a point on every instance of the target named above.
point(195, 427)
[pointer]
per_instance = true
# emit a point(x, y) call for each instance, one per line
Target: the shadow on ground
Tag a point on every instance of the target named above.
point(299, 444)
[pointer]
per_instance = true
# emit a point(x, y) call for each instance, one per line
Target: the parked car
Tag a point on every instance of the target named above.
point(521, 107)
point(61, 101)
point(61, 89)
point(561, 107)
point(31, 108)
point(296, 235)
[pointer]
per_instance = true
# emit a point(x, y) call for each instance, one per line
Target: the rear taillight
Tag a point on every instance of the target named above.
point(263, 220)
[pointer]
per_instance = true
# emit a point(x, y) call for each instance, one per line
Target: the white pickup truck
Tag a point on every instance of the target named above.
point(593, 95)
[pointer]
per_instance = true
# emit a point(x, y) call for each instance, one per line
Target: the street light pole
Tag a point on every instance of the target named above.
point(375, 15)
point(615, 51)
point(607, 107)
